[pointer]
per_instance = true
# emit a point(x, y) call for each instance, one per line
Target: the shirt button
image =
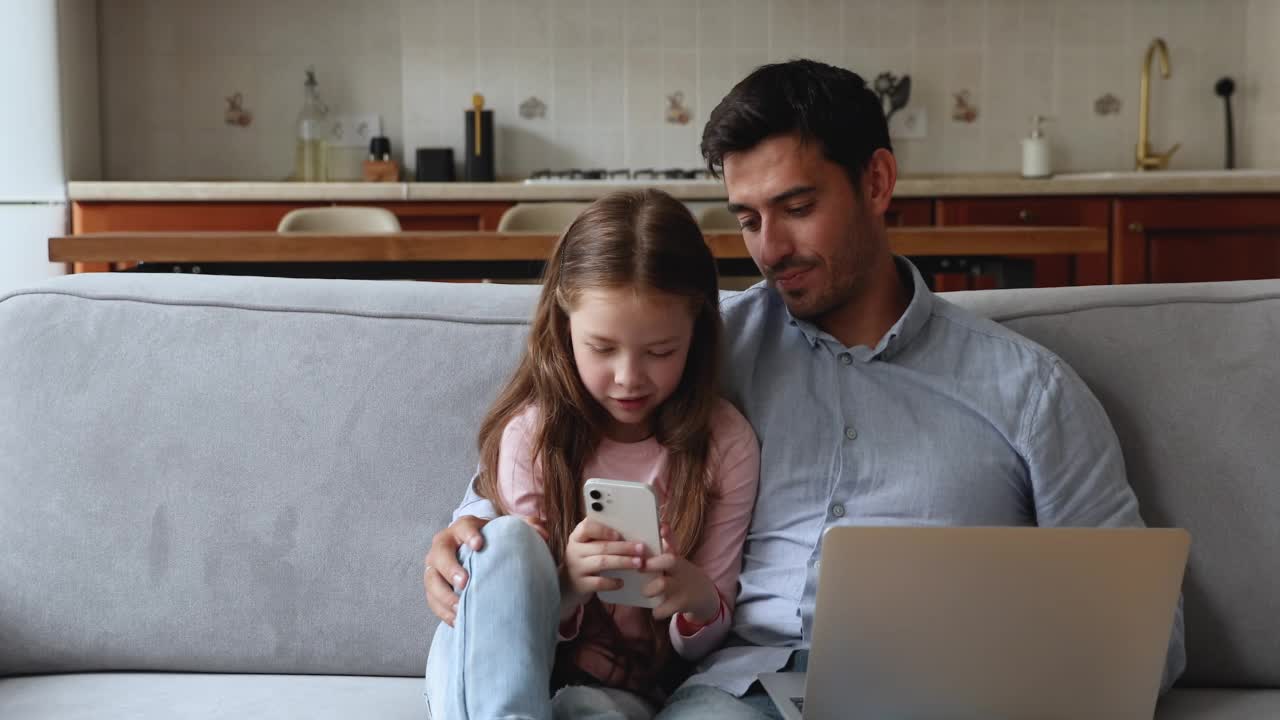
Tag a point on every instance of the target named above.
point(850, 433)
point(837, 510)
point(846, 358)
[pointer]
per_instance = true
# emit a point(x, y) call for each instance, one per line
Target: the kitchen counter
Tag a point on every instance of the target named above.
point(1183, 182)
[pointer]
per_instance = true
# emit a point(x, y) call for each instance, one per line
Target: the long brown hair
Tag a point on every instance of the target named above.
point(645, 241)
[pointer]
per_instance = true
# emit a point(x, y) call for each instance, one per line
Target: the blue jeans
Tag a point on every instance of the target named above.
point(699, 701)
point(495, 662)
point(704, 701)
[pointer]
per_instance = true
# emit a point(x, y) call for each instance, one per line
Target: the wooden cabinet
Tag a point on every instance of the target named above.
point(909, 212)
point(1051, 271)
point(1195, 239)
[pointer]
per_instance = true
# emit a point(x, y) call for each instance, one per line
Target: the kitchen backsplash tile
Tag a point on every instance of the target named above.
point(643, 28)
point(751, 24)
point(823, 23)
point(787, 24)
point(715, 26)
point(607, 70)
point(679, 24)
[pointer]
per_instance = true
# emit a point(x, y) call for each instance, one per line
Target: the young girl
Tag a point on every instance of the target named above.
point(619, 381)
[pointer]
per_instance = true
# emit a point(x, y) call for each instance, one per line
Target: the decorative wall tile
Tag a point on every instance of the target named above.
point(236, 114)
point(964, 108)
point(678, 112)
point(533, 108)
point(1108, 104)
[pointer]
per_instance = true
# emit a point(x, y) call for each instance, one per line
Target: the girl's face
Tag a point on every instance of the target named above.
point(630, 349)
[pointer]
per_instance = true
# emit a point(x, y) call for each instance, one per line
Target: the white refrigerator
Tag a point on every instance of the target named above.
point(33, 197)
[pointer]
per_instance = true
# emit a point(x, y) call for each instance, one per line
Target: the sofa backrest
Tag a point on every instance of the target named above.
point(235, 474)
point(242, 474)
point(1190, 377)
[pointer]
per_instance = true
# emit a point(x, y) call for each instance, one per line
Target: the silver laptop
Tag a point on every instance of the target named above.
point(988, 623)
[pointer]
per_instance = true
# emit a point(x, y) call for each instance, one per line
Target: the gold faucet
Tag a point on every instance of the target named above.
point(1146, 159)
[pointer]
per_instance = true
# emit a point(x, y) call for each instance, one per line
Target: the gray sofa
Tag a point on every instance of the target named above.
point(215, 493)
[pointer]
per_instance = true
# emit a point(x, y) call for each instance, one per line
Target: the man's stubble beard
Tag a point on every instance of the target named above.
point(846, 277)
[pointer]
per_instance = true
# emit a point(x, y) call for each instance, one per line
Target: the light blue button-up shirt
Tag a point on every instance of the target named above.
point(950, 419)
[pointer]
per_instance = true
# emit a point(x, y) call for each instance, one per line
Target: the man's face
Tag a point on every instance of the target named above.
point(804, 223)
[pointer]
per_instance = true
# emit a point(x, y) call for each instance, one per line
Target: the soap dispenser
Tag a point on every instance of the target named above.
point(1035, 151)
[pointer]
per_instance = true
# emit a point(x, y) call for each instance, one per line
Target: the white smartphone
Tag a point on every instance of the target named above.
point(630, 508)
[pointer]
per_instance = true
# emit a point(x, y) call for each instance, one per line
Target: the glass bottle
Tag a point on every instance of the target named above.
point(311, 162)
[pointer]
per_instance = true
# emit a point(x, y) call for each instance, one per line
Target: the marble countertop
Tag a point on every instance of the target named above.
point(1181, 182)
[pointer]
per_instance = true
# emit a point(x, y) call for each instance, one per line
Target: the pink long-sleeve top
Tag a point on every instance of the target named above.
point(735, 470)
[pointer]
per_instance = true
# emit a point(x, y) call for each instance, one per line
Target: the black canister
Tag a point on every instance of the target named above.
point(434, 165)
point(478, 166)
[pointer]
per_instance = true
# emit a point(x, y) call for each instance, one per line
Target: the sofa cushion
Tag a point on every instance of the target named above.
point(209, 697)
point(1181, 704)
point(1190, 376)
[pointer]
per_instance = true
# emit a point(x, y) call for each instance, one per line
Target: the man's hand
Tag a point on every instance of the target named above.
point(442, 575)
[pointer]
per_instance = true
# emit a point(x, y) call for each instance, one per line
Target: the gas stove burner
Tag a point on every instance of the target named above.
point(671, 174)
point(621, 175)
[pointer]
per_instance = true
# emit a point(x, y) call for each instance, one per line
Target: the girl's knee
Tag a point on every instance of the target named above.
point(509, 531)
point(514, 549)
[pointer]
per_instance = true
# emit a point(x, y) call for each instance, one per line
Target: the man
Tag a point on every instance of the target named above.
point(876, 402)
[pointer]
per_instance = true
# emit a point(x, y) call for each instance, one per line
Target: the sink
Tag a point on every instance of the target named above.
point(1186, 174)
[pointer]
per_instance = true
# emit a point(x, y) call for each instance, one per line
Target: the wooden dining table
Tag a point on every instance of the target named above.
point(111, 250)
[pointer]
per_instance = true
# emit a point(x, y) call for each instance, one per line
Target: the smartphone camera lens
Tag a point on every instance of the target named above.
point(597, 507)
point(595, 495)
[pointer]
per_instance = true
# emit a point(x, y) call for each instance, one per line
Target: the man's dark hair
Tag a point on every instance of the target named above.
point(819, 102)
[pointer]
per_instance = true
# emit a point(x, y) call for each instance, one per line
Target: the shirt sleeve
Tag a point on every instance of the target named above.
point(736, 454)
point(473, 504)
point(518, 481)
point(1078, 476)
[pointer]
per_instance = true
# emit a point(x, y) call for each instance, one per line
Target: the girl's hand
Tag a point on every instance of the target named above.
point(685, 589)
point(594, 548)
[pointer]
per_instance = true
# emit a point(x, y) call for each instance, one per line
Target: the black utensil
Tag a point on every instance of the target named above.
point(1223, 89)
point(897, 92)
point(900, 96)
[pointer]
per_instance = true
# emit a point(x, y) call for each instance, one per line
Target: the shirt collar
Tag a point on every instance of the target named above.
point(902, 332)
